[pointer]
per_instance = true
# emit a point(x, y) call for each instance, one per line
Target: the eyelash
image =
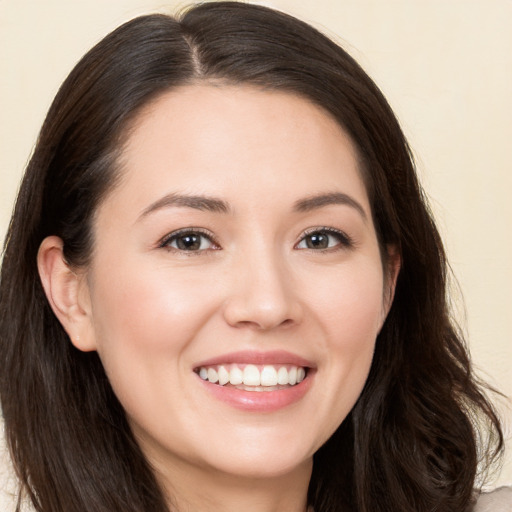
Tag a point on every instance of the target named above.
point(165, 243)
point(344, 241)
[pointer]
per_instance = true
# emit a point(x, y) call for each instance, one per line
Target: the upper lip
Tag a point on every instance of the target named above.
point(274, 357)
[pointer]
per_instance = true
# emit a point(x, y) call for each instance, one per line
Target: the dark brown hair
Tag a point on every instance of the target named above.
point(411, 441)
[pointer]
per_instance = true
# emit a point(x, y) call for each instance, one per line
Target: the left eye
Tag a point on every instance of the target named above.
point(190, 241)
point(323, 239)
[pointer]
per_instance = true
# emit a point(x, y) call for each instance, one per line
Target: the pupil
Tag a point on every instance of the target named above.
point(188, 242)
point(317, 241)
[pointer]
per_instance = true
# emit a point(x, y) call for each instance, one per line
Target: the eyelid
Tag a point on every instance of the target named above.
point(164, 241)
point(346, 241)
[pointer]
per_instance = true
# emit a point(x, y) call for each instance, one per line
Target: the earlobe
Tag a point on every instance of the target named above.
point(67, 293)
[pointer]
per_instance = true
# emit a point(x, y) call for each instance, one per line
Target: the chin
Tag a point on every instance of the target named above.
point(274, 466)
point(262, 456)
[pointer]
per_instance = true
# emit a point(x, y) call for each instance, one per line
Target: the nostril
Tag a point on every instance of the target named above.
point(263, 325)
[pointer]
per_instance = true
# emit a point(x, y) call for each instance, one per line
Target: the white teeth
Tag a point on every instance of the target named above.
point(236, 376)
point(268, 376)
point(252, 377)
point(212, 375)
point(223, 375)
point(282, 376)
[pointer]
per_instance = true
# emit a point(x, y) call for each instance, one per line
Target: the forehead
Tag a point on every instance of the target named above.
point(223, 140)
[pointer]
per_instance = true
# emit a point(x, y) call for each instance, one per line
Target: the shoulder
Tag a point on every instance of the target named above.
point(499, 500)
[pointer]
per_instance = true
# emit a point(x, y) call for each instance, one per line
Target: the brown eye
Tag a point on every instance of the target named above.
point(324, 239)
point(317, 241)
point(190, 241)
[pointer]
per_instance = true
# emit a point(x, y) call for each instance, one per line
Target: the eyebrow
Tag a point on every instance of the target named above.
point(213, 204)
point(320, 200)
point(197, 202)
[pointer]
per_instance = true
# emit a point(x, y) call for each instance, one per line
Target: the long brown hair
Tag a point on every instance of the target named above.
point(410, 442)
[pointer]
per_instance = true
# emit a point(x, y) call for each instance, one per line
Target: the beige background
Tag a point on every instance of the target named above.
point(446, 68)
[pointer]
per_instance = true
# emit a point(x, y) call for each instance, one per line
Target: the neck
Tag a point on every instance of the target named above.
point(204, 490)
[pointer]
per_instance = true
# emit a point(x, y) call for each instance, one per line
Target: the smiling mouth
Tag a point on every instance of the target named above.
point(252, 377)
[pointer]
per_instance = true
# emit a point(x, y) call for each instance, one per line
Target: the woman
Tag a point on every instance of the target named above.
point(222, 287)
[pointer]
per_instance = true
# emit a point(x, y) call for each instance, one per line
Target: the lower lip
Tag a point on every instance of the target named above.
point(259, 401)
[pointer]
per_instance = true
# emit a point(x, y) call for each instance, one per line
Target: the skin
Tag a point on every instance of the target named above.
point(154, 312)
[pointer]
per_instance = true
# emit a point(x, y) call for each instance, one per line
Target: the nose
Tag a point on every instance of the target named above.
point(262, 294)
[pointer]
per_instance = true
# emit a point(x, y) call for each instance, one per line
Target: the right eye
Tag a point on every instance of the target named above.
point(189, 241)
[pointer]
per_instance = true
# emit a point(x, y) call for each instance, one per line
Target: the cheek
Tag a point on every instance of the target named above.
point(147, 308)
point(356, 322)
point(349, 305)
point(143, 321)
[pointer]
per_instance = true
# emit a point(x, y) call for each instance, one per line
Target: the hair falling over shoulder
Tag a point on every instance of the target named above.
point(422, 425)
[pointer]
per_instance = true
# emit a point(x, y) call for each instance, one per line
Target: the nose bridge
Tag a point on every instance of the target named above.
point(262, 293)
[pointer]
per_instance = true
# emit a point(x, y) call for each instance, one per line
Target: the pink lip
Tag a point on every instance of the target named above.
point(259, 401)
point(257, 358)
point(256, 401)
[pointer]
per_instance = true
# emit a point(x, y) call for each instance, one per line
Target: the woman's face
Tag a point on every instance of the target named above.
point(236, 257)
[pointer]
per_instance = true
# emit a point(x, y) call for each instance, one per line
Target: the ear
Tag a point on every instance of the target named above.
point(392, 269)
point(67, 292)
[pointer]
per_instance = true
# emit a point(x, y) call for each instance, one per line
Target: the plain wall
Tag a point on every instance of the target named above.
point(445, 67)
